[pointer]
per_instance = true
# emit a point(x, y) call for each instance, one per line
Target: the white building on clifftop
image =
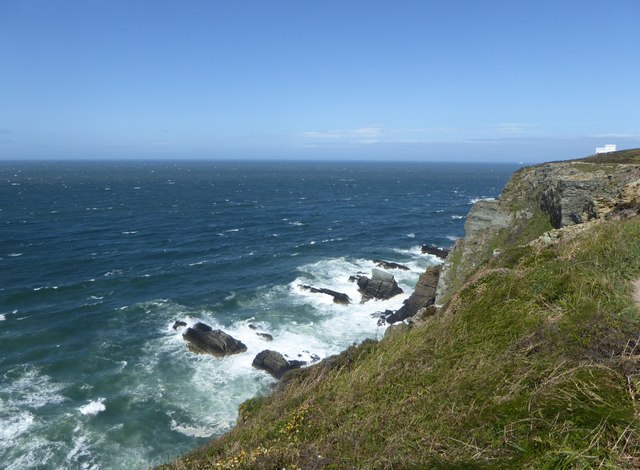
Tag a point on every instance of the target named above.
point(606, 149)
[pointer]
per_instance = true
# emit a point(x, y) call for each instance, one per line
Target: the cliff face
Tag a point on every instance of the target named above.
point(536, 200)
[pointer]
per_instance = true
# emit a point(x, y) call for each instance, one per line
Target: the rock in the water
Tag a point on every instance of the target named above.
point(266, 336)
point(382, 285)
point(423, 296)
point(381, 317)
point(338, 297)
point(389, 265)
point(432, 250)
point(274, 363)
point(178, 324)
point(201, 338)
point(252, 326)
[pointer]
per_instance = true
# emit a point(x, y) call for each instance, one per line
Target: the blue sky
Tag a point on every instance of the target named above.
point(395, 80)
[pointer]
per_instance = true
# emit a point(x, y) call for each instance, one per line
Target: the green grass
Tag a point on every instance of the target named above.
point(533, 365)
point(594, 166)
point(631, 156)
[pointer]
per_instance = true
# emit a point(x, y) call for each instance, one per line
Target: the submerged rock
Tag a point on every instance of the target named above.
point(382, 285)
point(203, 339)
point(275, 363)
point(338, 297)
point(266, 336)
point(423, 296)
point(389, 265)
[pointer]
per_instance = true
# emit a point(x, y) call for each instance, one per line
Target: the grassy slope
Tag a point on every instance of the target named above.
point(621, 156)
point(533, 365)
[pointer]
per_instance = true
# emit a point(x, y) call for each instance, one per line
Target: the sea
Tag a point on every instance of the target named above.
point(98, 260)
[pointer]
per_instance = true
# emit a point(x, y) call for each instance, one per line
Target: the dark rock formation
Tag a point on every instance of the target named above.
point(252, 326)
point(381, 317)
point(435, 251)
point(275, 363)
point(178, 324)
point(389, 265)
point(382, 285)
point(266, 336)
point(338, 297)
point(423, 296)
point(205, 340)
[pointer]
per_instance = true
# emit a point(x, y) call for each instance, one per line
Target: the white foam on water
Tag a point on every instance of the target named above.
point(192, 431)
point(80, 454)
point(457, 216)
point(2, 317)
point(453, 238)
point(24, 390)
point(27, 388)
point(13, 255)
point(483, 198)
point(112, 272)
point(411, 235)
point(414, 251)
point(14, 425)
point(93, 407)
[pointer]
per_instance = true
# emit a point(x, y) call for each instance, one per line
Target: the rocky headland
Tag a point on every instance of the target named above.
point(520, 351)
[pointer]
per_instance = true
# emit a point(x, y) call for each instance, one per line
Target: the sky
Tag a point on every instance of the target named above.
point(445, 80)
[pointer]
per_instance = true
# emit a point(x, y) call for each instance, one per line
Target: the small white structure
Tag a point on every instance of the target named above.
point(606, 149)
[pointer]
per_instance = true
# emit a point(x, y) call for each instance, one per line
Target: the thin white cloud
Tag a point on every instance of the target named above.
point(616, 135)
point(513, 127)
point(369, 132)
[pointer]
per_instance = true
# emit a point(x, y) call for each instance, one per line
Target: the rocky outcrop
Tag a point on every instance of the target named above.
point(338, 297)
point(423, 296)
point(575, 192)
point(536, 200)
point(484, 222)
point(382, 285)
point(390, 265)
point(179, 324)
point(275, 363)
point(203, 339)
point(435, 251)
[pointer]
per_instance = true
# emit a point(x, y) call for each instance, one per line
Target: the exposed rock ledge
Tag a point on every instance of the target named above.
point(275, 363)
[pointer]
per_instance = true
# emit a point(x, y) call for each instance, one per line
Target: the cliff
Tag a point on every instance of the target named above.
point(537, 200)
point(532, 360)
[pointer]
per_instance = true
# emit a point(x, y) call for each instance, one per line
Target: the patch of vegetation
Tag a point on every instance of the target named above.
point(535, 364)
point(621, 156)
point(593, 167)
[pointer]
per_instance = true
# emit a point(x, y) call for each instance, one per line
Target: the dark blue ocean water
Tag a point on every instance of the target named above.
point(97, 261)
